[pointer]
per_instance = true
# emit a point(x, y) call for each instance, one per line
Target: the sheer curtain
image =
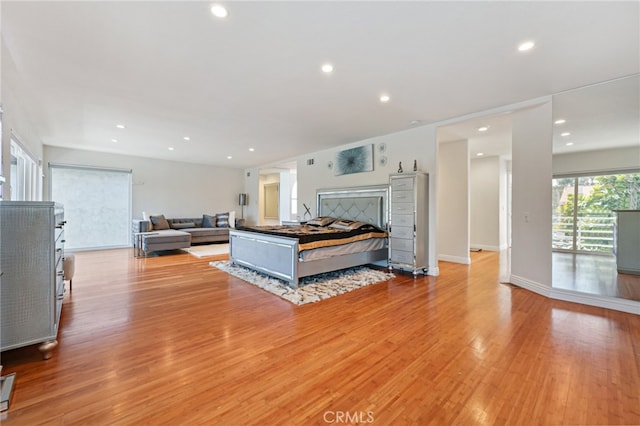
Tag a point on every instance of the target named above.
point(97, 205)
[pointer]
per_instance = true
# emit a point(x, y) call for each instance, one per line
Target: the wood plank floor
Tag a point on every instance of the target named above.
point(170, 340)
point(594, 274)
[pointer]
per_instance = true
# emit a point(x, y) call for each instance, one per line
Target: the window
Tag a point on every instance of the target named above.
point(26, 182)
point(583, 216)
point(97, 205)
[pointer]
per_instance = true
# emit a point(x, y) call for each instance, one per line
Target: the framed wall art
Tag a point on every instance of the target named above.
point(354, 160)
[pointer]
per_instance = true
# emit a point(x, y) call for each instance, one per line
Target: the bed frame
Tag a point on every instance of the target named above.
point(278, 256)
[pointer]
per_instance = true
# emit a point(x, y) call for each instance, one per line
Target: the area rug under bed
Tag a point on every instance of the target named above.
point(311, 289)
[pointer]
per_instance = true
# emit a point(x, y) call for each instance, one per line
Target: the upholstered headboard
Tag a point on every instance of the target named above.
point(366, 204)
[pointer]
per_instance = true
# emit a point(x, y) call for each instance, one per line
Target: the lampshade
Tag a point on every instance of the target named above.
point(243, 200)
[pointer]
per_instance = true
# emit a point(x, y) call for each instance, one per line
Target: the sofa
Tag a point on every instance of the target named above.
point(155, 232)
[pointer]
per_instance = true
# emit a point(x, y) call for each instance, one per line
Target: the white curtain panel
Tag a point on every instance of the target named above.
point(97, 205)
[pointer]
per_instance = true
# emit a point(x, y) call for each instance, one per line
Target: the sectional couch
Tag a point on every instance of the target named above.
point(157, 233)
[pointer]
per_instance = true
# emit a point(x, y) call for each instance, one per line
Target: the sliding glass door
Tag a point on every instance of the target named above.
point(97, 205)
point(583, 216)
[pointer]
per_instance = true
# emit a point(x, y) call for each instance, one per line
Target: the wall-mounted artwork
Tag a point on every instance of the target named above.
point(354, 160)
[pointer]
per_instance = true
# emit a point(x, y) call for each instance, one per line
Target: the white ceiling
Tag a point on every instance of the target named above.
point(600, 116)
point(169, 69)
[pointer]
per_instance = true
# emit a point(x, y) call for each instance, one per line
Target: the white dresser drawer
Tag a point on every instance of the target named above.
point(403, 208)
point(401, 231)
point(402, 220)
point(401, 244)
point(400, 256)
point(402, 184)
point(402, 197)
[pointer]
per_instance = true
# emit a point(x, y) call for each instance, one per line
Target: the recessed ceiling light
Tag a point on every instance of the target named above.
point(120, 126)
point(480, 154)
point(219, 11)
point(251, 149)
point(327, 68)
point(483, 128)
point(384, 98)
point(171, 148)
point(560, 121)
point(569, 143)
point(565, 134)
point(114, 140)
point(525, 46)
point(229, 157)
point(187, 138)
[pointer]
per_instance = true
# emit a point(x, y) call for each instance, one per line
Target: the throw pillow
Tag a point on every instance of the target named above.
point(347, 225)
point(159, 222)
point(321, 221)
point(222, 220)
point(208, 221)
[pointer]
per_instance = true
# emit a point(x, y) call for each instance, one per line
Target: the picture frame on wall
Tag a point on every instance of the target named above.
point(354, 160)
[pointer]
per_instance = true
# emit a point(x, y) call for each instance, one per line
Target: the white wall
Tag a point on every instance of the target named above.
point(531, 195)
point(505, 203)
point(16, 117)
point(485, 186)
point(453, 202)
point(171, 188)
point(597, 161)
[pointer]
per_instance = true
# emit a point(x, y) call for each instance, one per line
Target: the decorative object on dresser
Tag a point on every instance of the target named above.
point(31, 261)
point(409, 222)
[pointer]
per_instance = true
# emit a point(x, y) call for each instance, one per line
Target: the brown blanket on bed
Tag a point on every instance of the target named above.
point(310, 237)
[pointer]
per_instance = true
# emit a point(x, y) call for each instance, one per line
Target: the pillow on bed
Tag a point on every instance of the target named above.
point(347, 225)
point(321, 221)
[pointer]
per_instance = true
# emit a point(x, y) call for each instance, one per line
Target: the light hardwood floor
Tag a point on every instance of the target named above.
point(170, 340)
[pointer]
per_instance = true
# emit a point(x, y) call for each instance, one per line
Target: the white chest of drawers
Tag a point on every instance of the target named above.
point(409, 224)
point(32, 281)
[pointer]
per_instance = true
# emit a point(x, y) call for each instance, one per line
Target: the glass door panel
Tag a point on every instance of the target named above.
point(563, 213)
point(583, 216)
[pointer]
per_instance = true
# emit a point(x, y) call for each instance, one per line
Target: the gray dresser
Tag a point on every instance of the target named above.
point(32, 281)
point(409, 222)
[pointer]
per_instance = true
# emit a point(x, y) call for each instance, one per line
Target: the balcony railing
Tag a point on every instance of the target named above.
point(593, 233)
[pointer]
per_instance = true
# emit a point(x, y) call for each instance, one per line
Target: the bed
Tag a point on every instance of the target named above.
point(284, 257)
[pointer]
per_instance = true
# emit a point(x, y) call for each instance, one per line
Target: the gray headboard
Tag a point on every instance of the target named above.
point(366, 204)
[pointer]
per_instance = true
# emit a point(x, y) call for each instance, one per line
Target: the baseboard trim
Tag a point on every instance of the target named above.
point(614, 303)
point(485, 247)
point(455, 259)
point(534, 286)
point(433, 271)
